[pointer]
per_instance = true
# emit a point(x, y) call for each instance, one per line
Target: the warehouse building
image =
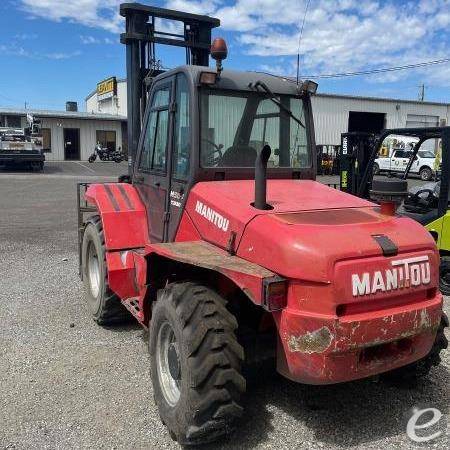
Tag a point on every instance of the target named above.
point(336, 114)
point(333, 114)
point(71, 135)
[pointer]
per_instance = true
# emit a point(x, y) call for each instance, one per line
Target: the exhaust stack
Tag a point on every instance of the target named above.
point(261, 178)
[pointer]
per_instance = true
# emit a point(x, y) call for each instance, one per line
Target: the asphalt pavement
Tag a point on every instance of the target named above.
point(67, 383)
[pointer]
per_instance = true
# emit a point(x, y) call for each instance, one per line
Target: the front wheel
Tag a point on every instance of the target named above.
point(425, 174)
point(195, 363)
point(376, 169)
point(92, 158)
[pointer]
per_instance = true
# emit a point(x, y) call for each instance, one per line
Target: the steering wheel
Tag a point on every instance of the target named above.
point(425, 202)
point(217, 148)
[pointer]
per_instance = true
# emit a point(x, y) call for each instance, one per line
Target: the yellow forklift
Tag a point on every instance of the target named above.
point(427, 204)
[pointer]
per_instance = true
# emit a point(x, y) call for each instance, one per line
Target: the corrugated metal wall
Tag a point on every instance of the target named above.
point(88, 135)
point(331, 114)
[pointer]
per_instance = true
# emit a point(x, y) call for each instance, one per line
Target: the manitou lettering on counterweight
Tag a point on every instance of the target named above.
point(404, 274)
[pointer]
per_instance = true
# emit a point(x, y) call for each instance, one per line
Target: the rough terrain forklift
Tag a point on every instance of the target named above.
point(427, 204)
point(223, 245)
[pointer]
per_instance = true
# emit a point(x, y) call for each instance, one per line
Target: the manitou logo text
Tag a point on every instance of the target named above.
point(403, 274)
point(213, 216)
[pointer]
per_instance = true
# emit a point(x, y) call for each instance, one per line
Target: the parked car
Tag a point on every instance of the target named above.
point(398, 160)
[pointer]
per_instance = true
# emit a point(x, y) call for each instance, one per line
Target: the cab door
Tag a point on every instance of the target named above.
point(180, 155)
point(151, 174)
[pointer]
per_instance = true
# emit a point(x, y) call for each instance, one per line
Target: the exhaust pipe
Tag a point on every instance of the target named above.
point(261, 178)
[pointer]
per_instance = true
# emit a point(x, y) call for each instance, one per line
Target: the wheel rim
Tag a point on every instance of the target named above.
point(425, 175)
point(93, 270)
point(168, 364)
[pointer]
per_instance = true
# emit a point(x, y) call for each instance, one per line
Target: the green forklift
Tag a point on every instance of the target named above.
point(428, 204)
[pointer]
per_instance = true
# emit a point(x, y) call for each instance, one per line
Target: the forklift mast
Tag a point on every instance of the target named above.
point(140, 38)
point(354, 158)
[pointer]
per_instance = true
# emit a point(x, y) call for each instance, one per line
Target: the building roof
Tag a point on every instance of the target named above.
point(331, 95)
point(380, 99)
point(62, 114)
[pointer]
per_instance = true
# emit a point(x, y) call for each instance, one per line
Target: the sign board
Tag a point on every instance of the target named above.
point(106, 89)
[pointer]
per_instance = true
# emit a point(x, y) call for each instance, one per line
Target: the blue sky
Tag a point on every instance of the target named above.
point(57, 50)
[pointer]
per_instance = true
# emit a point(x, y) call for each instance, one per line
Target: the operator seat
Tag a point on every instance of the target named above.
point(238, 156)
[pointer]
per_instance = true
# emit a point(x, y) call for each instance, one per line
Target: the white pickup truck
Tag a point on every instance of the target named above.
point(398, 160)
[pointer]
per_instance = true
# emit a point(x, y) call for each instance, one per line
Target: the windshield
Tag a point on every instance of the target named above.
point(426, 154)
point(236, 125)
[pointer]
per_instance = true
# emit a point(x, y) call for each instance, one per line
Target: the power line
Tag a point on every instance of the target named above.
point(381, 70)
point(300, 39)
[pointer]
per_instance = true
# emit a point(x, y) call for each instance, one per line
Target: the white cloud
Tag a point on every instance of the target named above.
point(26, 36)
point(13, 49)
point(62, 55)
point(339, 35)
point(88, 40)
point(92, 13)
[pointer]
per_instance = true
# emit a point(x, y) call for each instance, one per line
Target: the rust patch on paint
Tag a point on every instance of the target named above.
point(311, 342)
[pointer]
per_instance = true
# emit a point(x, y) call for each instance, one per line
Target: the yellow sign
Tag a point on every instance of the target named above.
point(106, 88)
point(344, 179)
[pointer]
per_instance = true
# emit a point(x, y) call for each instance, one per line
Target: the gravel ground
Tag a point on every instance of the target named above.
point(68, 383)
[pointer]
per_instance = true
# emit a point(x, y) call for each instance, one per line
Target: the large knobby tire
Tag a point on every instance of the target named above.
point(444, 275)
point(195, 363)
point(104, 305)
point(419, 369)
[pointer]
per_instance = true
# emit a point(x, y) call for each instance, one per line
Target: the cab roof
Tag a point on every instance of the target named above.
point(236, 80)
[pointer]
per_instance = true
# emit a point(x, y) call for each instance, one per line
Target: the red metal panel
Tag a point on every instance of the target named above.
point(317, 349)
point(248, 276)
point(309, 251)
point(221, 207)
point(123, 214)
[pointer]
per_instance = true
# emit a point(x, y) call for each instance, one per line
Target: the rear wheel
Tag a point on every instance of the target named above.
point(425, 174)
point(444, 275)
point(376, 169)
point(37, 166)
point(421, 368)
point(105, 306)
point(195, 363)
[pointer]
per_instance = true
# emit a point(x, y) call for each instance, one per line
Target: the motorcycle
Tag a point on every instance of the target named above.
point(105, 154)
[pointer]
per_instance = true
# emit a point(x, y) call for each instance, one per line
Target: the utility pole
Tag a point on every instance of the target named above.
point(422, 92)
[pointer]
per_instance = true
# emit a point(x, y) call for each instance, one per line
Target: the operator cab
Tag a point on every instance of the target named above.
point(201, 124)
point(424, 203)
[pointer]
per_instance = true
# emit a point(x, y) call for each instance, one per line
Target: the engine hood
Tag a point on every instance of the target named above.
point(309, 229)
point(220, 208)
point(307, 246)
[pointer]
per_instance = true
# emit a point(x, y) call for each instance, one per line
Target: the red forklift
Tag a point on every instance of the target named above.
point(221, 243)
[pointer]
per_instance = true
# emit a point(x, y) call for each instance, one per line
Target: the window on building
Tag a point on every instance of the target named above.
point(107, 139)
point(46, 140)
point(181, 133)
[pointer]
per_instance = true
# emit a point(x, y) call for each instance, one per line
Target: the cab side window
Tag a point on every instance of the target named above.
point(182, 142)
point(154, 151)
